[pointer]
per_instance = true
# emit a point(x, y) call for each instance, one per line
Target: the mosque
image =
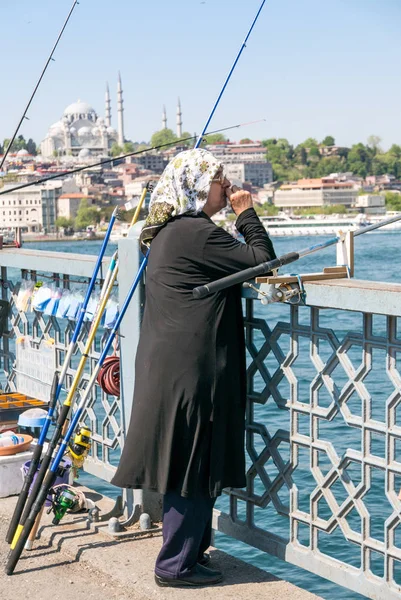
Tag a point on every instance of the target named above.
point(82, 134)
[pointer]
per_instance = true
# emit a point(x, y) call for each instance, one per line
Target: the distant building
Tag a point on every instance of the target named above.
point(80, 133)
point(371, 204)
point(308, 193)
point(246, 162)
point(31, 209)
point(377, 180)
point(68, 204)
point(151, 160)
point(135, 188)
point(333, 150)
point(258, 173)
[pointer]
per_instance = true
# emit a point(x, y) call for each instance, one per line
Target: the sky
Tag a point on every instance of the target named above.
point(311, 68)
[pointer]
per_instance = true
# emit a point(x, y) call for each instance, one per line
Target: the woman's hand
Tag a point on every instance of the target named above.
point(240, 200)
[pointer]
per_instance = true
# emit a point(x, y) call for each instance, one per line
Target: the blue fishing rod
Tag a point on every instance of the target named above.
point(57, 386)
point(286, 259)
point(19, 541)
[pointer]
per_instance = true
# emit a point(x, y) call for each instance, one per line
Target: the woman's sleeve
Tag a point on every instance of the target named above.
point(223, 255)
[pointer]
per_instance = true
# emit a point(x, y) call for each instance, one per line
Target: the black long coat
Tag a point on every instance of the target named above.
point(190, 363)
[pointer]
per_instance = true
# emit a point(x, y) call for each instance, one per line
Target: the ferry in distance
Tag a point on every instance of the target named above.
point(284, 225)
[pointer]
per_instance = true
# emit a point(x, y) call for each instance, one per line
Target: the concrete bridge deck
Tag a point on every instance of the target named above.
point(74, 560)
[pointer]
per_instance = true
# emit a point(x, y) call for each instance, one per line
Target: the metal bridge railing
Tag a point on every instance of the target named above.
point(103, 414)
point(323, 436)
point(323, 431)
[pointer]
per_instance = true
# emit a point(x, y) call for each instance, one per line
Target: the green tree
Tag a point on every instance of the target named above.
point(374, 143)
point(189, 142)
point(116, 150)
point(328, 165)
point(359, 160)
point(328, 141)
point(163, 137)
point(86, 215)
point(310, 143)
point(214, 138)
point(63, 222)
point(393, 201)
point(128, 147)
point(31, 147)
point(246, 141)
point(314, 151)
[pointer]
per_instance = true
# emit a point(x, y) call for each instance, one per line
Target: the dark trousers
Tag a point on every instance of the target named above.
point(187, 530)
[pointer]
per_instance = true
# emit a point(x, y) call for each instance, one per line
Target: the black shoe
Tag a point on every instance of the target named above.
point(204, 560)
point(198, 577)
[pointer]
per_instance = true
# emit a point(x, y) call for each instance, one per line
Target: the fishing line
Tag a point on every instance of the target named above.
point(23, 532)
point(286, 259)
point(50, 58)
point(123, 156)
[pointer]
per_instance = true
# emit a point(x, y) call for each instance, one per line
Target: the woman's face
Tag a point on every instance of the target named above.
point(217, 199)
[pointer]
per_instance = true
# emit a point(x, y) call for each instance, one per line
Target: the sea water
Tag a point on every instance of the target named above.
point(377, 258)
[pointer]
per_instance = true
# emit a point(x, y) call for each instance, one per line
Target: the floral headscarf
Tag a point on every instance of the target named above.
point(183, 188)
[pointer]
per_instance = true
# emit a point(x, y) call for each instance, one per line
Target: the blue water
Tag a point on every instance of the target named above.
point(377, 257)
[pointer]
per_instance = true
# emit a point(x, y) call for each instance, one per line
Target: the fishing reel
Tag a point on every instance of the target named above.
point(78, 449)
point(62, 499)
point(292, 293)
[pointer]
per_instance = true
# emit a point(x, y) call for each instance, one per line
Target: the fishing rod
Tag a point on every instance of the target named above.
point(23, 533)
point(107, 161)
point(265, 267)
point(50, 58)
point(57, 387)
point(66, 408)
point(229, 75)
point(23, 507)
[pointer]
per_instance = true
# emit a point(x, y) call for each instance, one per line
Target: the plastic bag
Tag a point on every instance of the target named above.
point(63, 305)
point(110, 314)
point(52, 305)
point(76, 301)
point(24, 295)
point(41, 298)
point(91, 308)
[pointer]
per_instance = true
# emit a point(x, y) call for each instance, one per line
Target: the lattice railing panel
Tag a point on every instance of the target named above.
point(323, 438)
point(103, 412)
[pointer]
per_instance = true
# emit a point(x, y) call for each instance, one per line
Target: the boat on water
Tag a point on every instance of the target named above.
point(284, 225)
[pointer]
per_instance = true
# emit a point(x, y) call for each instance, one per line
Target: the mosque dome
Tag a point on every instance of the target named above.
point(56, 127)
point(84, 154)
point(73, 130)
point(79, 108)
point(111, 131)
point(22, 152)
point(84, 131)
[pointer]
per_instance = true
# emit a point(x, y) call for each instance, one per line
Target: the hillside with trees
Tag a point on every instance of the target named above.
point(318, 159)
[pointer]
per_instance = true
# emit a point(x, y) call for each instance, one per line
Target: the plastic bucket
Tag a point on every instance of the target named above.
point(59, 479)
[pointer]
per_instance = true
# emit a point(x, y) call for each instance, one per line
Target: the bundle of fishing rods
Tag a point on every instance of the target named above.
point(42, 473)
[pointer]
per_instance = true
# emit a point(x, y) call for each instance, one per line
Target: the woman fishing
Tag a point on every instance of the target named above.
point(186, 435)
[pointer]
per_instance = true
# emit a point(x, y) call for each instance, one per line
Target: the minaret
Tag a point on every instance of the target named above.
point(179, 120)
point(107, 114)
point(120, 111)
point(164, 118)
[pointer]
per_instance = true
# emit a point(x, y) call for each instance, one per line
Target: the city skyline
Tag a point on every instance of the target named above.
point(310, 70)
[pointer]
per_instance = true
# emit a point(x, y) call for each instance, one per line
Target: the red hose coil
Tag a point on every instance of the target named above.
point(109, 376)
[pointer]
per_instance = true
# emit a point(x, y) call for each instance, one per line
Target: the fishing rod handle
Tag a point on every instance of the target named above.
point(15, 519)
point(236, 278)
point(18, 548)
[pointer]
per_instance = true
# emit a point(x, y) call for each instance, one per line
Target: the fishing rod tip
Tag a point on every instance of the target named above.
point(118, 213)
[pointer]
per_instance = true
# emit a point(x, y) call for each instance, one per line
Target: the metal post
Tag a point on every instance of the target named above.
point(136, 501)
